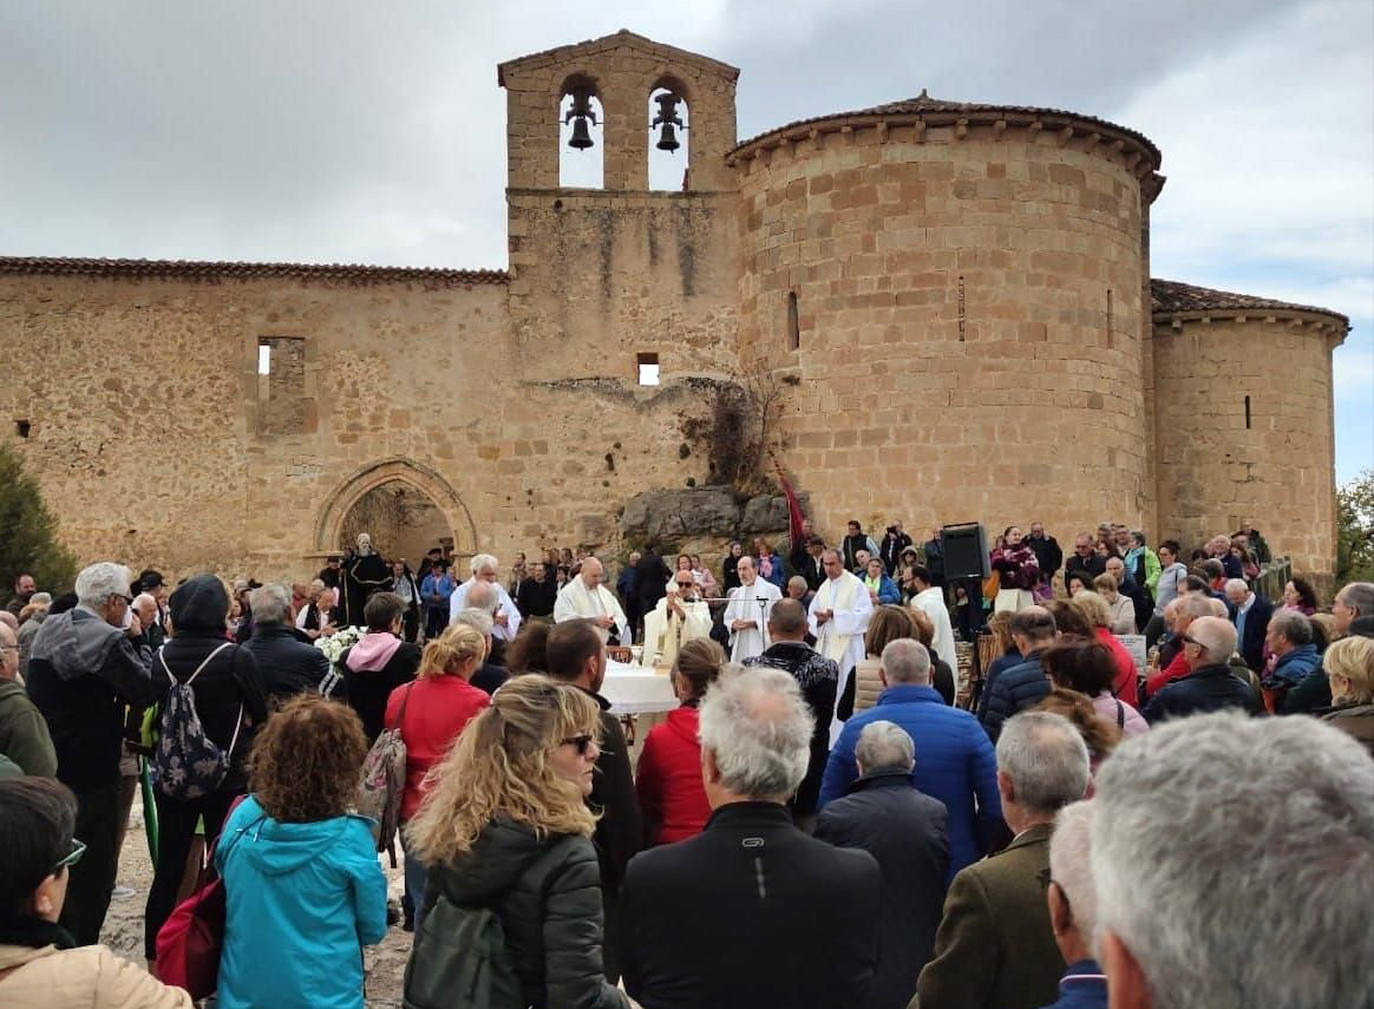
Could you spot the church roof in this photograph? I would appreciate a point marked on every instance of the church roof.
(214, 272)
(939, 111)
(625, 38)
(1170, 297)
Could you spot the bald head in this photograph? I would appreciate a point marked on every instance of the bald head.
(787, 621)
(9, 652)
(9, 620)
(592, 573)
(482, 596)
(1215, 637)
(1237, 591)
(145, 606)
(744, 567)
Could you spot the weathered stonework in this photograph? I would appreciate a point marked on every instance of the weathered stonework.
(967, 286)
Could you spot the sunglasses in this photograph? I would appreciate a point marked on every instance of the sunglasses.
(582, 742)
(71, 857)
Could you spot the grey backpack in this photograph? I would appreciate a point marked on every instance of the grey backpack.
(187, 763)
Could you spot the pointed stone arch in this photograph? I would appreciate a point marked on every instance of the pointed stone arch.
(395, 469)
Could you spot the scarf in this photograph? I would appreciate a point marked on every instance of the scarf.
(34, 933)
(373, 651)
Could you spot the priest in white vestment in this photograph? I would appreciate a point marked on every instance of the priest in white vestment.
(505, 619)
(585, 598)
(746, 616)
(838, 617)
(679, 616)
(930, 600)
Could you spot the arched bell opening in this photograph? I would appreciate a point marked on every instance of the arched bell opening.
(669, 133)
(581, 135)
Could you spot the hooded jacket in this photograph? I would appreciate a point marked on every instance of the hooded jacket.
(303, 898)
(82, 672)
(228, 684)
(668, 781)
(550, 912)
(24, 734)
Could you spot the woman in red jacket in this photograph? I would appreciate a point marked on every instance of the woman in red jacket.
(431, 712)
(669, 780)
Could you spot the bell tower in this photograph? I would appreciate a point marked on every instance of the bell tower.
(605, 276)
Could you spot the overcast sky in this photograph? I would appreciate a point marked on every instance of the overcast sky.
(340, 130)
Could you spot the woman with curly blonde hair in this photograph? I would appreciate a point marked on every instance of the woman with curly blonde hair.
(505, 826)
(300, 871)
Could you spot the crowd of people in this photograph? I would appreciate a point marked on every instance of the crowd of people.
(839, 812)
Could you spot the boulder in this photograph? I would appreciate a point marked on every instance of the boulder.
(765, 513)
(676, 515)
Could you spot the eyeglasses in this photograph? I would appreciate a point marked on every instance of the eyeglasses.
(128, 600)
(582, 742)
(70, 858)
(1189, 640)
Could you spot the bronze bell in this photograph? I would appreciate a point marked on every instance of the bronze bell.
(581, 136)
(578, 115)
(667, 118)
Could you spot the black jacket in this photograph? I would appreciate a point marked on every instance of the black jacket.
(891, 549)
(228, 685)
(550, 912)
(286, 665)
(819, 679)
(620, 831)
(1048, 554)
(536, 599)
(1210, 688)
(489, 677)
(1016, 688)
(1251, 644)
(905, 831)
(1140, 599)
(82, 673)
(651, 580)
(762, 917)
(368, 689)
(1092, 565)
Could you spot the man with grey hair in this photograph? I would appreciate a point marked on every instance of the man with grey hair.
(998, 904)
(1210, 685)
(145, 607)
(287, 665)
(886, 816)
(749, 894)
(1296, 659)
(1179, 616)
(24, 734)
(956, 765)
(1353, 610)
(86, 665)
(492, 672)
(505, 615)
(1251, 617)
(1236, 889)
(1072, 901)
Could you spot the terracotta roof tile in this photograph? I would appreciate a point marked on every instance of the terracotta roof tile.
(924, 105)
(214, 272)
(1169, 297)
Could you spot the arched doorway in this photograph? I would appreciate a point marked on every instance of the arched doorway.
(405, 506)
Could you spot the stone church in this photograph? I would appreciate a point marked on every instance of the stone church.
(930, 310)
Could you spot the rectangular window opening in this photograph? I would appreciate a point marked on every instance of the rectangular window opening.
(1109, 318)
(22, 428)
(264, 357)
(1247, 413)
(963, 325)
(793, 322)
(282, 406)
(648, 368)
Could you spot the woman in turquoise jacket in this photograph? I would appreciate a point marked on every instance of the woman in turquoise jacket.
(305, 892)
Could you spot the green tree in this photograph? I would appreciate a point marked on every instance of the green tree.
(28, 531)
(1355, 530)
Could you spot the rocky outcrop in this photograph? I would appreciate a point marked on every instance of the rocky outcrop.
(675, 516)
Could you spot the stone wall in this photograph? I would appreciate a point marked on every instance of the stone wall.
(969, 308)
(1219, 469)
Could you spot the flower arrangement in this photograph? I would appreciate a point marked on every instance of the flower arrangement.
(335, 645)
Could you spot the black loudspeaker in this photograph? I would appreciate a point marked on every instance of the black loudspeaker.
(966, 551)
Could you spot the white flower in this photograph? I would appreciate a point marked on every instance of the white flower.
(337, 643)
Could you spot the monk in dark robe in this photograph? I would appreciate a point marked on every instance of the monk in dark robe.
(364, 573)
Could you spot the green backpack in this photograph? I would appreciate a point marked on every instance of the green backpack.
(459, 959)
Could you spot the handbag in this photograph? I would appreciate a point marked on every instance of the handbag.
(190, 941)
(992, 585)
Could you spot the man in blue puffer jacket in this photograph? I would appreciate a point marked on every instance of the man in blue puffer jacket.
(1289, 637)
(955, 762)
